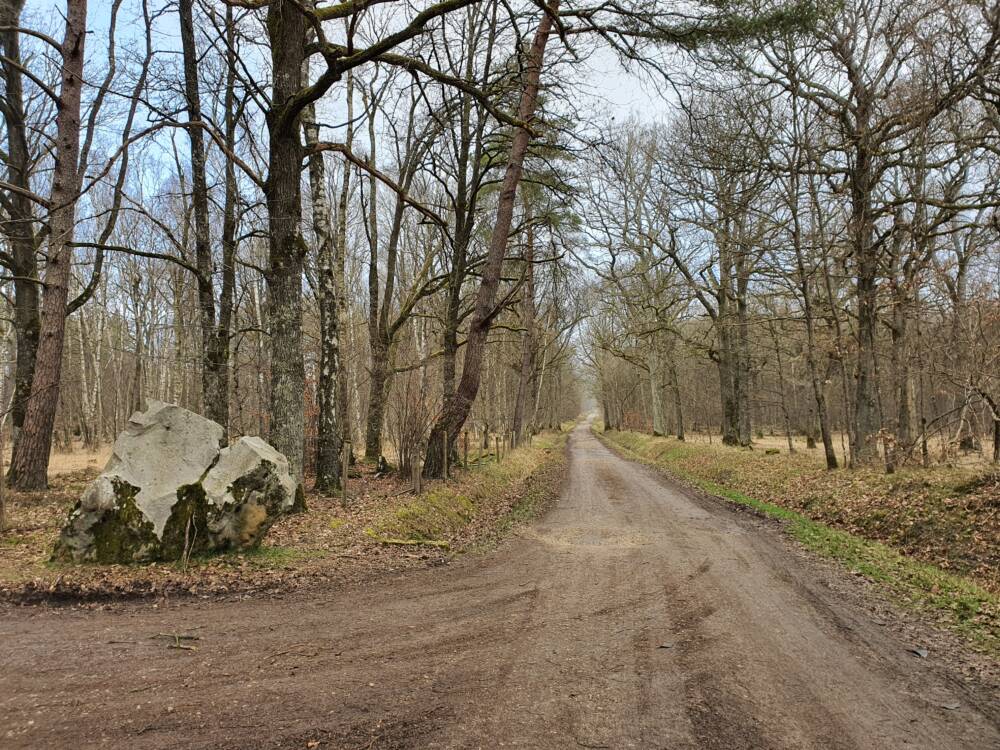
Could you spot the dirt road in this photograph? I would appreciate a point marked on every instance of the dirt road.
(632, 616)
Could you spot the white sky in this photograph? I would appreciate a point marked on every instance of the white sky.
(611, 89)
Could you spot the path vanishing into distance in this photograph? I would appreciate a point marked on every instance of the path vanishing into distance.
(634, 614)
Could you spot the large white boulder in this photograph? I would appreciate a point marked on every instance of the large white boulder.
(170, 490)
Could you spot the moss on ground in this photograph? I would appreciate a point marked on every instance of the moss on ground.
(432, 517)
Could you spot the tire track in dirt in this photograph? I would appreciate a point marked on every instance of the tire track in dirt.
(634, 615)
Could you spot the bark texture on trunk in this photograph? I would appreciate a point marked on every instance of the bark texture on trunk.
(339, 310)
(867, 417)
(29, 464)
(214, 344)
(678, 401)
(330, 435)
(655, 388)
(229, 225)
(456, 409)
(19, 228)
(286, 27)
(526, 371)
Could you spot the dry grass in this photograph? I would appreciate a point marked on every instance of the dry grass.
(944, 515)
(326, 542)
(971, 459)
(928, 536)
(74, 461)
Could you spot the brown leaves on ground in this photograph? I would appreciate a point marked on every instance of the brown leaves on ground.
(326, 543)
(948, 516)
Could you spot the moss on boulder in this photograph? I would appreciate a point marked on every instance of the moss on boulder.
(169, 492)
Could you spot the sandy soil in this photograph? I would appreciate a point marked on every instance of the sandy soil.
(634, 615)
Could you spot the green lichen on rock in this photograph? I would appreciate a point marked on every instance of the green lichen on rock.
(186, 531)
(170, 492)
(258, 498)
(106, 526)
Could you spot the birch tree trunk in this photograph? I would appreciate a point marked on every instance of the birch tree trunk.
(329, 438)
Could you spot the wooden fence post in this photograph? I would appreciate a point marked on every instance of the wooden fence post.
(496, 444)
(465, 448)
(416, 471)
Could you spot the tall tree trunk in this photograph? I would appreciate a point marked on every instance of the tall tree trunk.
(456, 409)
(382, 333)
(655, 386)
(867, 417)
(19, 228)
(378, 392)
(329, 437)
(214, 347)
(286, 28)
(526, 371)
(223, 330)
(804, 276)
(818, 388)
(994, 411)
(782, 391)
(339, 311)
(29, 464)
(900, 360)
(743, 373)
(725, 362)
(678, 401)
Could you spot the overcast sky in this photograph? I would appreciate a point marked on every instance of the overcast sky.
(611, 90)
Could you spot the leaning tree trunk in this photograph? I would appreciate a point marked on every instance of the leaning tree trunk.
(30, 462)
(455, 411)
(287, 32)
(382, 333)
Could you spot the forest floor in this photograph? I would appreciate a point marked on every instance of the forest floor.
(383, 527)
(929, 535)
(636, 613)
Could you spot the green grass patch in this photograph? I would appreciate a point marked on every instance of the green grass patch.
(432, 517)
(953, 601)
(337, 523)
(439, 515)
